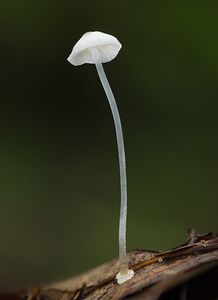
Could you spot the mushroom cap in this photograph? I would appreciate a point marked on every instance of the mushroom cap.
(93, 48)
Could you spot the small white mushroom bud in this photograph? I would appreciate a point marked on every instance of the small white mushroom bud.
(97, 48)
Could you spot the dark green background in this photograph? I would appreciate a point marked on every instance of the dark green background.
(59, 185)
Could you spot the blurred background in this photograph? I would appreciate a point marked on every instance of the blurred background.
(59, 185)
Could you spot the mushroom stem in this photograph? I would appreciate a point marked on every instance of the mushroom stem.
(122, 165)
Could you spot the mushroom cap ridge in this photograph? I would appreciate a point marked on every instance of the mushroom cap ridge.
(93, 48)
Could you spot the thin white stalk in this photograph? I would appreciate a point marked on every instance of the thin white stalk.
(122, 165)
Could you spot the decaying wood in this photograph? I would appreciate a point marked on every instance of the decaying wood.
(186, 272)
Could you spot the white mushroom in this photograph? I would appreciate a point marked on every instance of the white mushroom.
(94, 48)
(97, 48)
